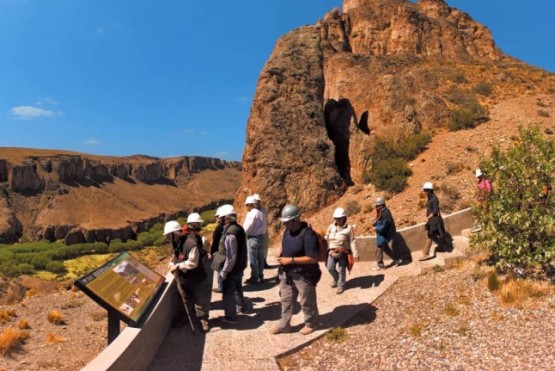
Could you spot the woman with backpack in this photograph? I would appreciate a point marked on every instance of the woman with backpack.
(341, 243)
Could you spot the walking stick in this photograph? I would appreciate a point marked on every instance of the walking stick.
(184, 298)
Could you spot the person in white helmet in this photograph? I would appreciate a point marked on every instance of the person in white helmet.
(341, 242)
(384, 225)
(255, 227)
(434, 225)
(230, 261)
(262, 208)
(186, 264)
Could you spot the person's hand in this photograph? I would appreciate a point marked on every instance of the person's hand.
(209, 256)
(285, 260)
(357, 258)
(223, 275)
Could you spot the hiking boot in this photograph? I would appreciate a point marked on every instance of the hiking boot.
(397, 262)
(252, 280)
(334, 284)
(228, 320)
(204, 325)
(379, 267)
(340, 290)
(306, 330)
(277, 329)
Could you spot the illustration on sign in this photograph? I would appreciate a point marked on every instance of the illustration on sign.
(123, 284)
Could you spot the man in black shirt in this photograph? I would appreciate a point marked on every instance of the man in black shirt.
(299, 271)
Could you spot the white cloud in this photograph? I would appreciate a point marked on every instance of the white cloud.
(188, 131)
(91, 142)
(30, 112)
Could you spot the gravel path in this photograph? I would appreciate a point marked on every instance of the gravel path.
(445, 320)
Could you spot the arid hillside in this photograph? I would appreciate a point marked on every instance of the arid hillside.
(85, 198)
(384, 69)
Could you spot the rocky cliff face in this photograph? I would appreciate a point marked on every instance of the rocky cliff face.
(81, 198)
(372, 68)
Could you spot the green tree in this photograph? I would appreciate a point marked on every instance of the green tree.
(518, 220)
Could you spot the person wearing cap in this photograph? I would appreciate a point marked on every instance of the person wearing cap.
(264, 211)
(186, 265)
(299, 271)
(384, 225)
(483, 188)
(233, 252)
(255, 227)
(434, 224)
(341, 242)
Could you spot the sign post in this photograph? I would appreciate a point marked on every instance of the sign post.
(125, 288)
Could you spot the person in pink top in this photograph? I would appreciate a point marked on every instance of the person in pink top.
(483, 188)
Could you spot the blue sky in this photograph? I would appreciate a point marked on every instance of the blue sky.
(174, 77)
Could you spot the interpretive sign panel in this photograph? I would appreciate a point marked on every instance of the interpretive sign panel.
(123, 285)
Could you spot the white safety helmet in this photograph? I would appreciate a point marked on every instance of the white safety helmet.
(428, 185)
(226, 210)
(250, 200)
(379, 201)
(171, 226)
(479, 173)
(217, 213)
(257, 197)
(194, 218)
(339, 213)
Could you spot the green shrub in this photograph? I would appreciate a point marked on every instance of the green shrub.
(56, 267)
(392, 175)
(468, 116)
(352, 207)
(493, 282)
(458, 96)
(390, 170)
(518, 225)
(208, 216)
(483, 88)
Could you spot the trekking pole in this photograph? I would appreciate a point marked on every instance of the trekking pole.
(182, 294)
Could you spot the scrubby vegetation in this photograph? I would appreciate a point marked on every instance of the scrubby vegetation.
(467, 116)
(518, 222)
(390, 170)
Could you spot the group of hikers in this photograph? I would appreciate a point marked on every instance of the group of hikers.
(234, 246)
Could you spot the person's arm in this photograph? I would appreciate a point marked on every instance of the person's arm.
(192, 260)
(230, 254)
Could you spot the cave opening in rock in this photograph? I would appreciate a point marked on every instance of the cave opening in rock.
(338, 115)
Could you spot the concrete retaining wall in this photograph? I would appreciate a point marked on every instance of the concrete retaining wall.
(135, 348)
(413, 238)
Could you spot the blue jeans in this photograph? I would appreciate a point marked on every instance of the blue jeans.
(232, 294)
(257, 254)
(338, 276)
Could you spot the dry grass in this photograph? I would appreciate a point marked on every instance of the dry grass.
(54, 339)
(23, 324)
(6, 315)
(55, 317)
(98, 314)
(516, 292)
(11, 339)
